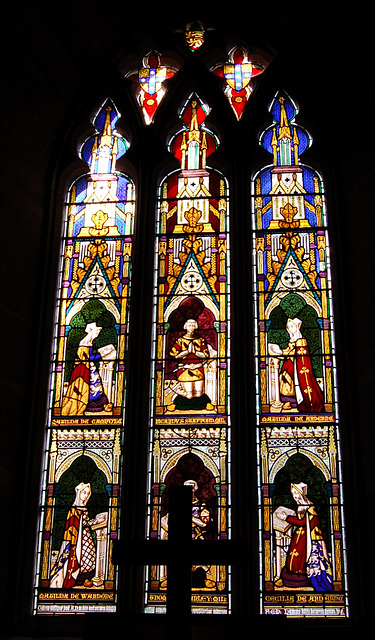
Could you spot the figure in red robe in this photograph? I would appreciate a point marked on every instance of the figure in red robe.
(298, 384)
(307, 562)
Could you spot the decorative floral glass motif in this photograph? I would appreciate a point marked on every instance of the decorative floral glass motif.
(302, 529)
(238, 72)
(79, 513)
(189, 435)
(150, 81)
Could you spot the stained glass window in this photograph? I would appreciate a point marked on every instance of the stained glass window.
(301, 524)
(150, 80)
(238, 72)
(300, 493)
(189, 433)
(194, 34)
(83, 456)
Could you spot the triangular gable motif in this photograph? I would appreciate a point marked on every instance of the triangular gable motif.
(192, 280)
(293, 264)
(100, 291)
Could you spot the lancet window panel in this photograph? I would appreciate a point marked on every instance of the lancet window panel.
(190, 421)
(82, 476)
(300, 491)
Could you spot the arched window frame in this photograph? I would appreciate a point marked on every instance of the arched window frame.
(85, 418)
(190, 405)
(296, 381)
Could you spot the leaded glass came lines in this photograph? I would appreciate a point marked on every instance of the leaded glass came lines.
(190, 421)
(80, 515)
(302, 538)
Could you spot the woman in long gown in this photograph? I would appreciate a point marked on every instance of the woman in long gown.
(85, 391)
(75, 564)
(307, 562)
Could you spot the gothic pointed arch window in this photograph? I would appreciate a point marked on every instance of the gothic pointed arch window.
(83, 459)
(190, 415)
(300, 492)
(190, 421)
